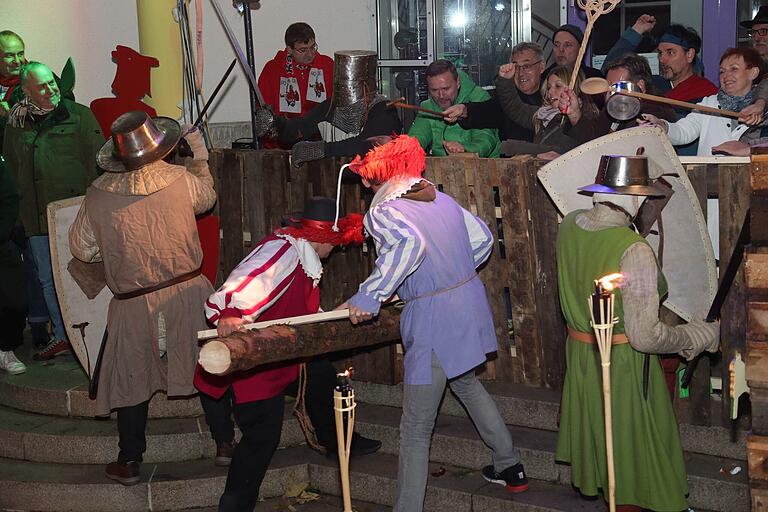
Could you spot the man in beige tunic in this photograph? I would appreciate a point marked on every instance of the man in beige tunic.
(139, 219)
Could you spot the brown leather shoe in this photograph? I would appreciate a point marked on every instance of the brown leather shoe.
(224, 452)
(125, 473)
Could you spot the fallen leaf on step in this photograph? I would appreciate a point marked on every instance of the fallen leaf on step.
(306, 497)
(439, 472)
(295, 489)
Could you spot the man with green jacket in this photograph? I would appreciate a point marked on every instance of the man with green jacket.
(448, 86)
(50, 145)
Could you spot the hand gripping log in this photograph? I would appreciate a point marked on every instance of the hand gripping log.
(243, 350)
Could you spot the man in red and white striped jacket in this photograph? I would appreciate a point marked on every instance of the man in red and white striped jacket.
(278, 279)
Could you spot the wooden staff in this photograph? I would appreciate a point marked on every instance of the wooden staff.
(325, 316)
(681, 104)
(344, 411)
(243, 350)
(594, 9)
(399, 103)
(601, 311)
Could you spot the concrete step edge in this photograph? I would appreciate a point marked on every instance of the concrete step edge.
(526, 406)
(49, 439)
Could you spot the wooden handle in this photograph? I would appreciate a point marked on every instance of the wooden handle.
(325, 316)
(681, 104)
(414, 107)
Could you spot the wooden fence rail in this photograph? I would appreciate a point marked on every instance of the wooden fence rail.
(258, 188)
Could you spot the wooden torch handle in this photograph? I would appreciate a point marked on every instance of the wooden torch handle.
(419, 109)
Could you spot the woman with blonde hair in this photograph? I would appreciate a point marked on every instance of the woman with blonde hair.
(550, 122)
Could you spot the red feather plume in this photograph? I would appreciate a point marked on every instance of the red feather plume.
(403, 156)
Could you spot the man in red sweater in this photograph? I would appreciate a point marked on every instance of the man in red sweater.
(298, 78)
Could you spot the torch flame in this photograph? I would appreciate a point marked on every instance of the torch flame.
(607, 282)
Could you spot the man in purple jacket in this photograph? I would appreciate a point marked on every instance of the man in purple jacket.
(428, 250)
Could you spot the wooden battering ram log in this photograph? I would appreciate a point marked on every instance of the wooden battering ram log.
(244, 350)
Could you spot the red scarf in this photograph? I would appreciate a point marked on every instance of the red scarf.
(11, 83)
(692, 88)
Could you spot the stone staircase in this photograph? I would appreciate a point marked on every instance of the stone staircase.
(52, 454)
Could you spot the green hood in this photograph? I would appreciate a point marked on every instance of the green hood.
(468, 91)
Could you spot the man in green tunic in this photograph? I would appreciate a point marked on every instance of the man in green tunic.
(648, 458)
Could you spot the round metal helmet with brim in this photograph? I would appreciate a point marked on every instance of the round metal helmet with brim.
(138, 140)
(626, 175)
(354, 76)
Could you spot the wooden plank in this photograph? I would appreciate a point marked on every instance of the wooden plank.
(759, 176)
(275, 175)
(757, 320)
(231, 199)
(757, 458)
(253, 190)
(521, 258)
(759, 399)
(756, 267)
(699, 395)
(734, 193)
(552, 329)
(757, 365)
(759, 499)
(493, 273)
(759, 213)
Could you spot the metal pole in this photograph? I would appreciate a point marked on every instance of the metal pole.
(250, 58)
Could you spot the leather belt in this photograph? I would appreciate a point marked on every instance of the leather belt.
(157, 287)
(586, 337)
(443, 290)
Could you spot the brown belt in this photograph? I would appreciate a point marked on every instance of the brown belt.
(586, 337)
(157, 287)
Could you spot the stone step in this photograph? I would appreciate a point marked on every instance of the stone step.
(60, 387)
(373, 479)
(197, 485)
(40, 438)
(169, 486)
(532, 407)
(455, 443)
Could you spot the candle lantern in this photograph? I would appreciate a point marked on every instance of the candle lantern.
(344, 409)
(601, 303)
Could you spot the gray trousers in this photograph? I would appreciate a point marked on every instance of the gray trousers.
(420, 407)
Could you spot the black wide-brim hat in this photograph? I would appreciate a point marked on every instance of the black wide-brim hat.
(138, 140)
(760, 17)
(316, 224)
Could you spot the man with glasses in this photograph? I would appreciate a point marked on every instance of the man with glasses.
(758, 31)
(529, 59)
(567, 41)
(298, 78)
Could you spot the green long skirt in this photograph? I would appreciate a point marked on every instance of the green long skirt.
(648, 458)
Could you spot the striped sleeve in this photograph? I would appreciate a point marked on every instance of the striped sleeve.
(480, 237)
(256, 283)
(400, 251)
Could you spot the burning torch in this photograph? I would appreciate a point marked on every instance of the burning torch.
(344, 408)
(601, 303)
